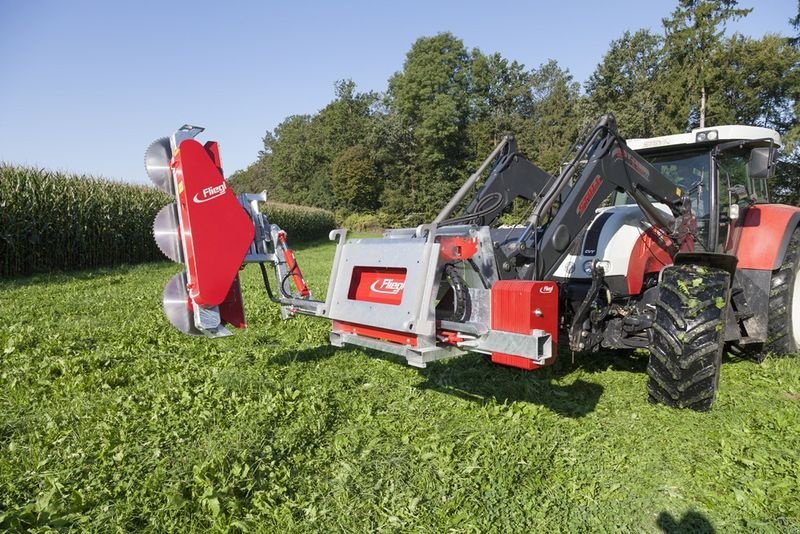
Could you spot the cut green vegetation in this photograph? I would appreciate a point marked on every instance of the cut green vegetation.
(111, 420)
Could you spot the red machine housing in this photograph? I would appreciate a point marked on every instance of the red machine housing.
(215, 230)
(763, 235)
(382, 285)
(521, 306)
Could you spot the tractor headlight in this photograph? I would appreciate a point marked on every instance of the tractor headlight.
(708, 135)
(605, 265)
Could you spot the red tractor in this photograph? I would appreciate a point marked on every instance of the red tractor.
(667, 244)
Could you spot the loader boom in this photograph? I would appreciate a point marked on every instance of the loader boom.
(563, 206)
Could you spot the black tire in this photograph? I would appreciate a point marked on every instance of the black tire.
(688, 334)
(783, 320)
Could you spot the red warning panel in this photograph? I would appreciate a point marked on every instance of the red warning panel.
(520, 306)
(382, 285)
(216, 230)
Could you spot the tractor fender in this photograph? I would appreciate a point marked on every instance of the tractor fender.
(765, 233)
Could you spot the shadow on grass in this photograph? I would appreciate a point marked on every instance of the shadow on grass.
(598, 362)
(472, 377)
(692, 521)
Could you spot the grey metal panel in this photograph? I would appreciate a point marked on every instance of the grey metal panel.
(415, 356)
(417, 256)
(537, 346)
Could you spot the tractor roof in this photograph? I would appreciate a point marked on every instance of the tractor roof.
(708, 135)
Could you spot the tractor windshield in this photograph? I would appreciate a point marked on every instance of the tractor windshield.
(691, 171)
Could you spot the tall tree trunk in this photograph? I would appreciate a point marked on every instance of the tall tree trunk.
(703, 107)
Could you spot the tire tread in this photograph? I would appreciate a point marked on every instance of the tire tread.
(686, 352)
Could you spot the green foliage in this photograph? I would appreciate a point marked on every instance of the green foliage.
(295, 159)
(356, 186)
(694, 35)
(301, 223)
(111, 420)
(626, 83)
(795, 22)
(254, 179)
(406, 151)
(296, 163)
(364, 222)
(431, 99)
(557, 119)
(502, 102)
(53, 221)
(760, 84)
(785, 186)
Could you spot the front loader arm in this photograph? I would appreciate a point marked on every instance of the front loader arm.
(513, 176)
(609, 166)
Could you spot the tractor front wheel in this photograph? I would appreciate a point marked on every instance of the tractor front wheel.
(688, 333)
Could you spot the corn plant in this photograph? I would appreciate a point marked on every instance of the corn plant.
(301, 223)
(51, 221)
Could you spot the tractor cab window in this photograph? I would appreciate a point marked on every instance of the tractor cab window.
(734, 179)
(691, 171)
(737, 190)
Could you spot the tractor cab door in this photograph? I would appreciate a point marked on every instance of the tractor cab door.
(736, 191)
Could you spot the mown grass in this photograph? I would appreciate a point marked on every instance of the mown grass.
(111, 420)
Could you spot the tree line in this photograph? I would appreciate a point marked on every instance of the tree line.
(400, 154)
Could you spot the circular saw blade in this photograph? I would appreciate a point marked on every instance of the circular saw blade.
(167, 232)
(176, 305)
(156, 162)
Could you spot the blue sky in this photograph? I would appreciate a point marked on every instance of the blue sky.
(86, 86)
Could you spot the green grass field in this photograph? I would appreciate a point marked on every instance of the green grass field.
(110, 420)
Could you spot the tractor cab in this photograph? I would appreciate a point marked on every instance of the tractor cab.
(724, 170)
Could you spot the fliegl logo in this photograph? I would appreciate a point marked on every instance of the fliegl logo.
(387, 286)
(210, 193)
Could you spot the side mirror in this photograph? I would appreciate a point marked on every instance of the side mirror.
(761, 162)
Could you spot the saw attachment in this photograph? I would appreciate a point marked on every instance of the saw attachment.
(157, 159)
(176, 305)
(166, 230)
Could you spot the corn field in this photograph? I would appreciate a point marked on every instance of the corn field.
(301, 223)
(51, 221)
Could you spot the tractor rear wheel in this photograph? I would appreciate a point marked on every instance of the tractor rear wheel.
(783, 319)
(688, 334)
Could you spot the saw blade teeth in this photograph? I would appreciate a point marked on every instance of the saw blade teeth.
(157, 158)
(176, 305)
(167, 233)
